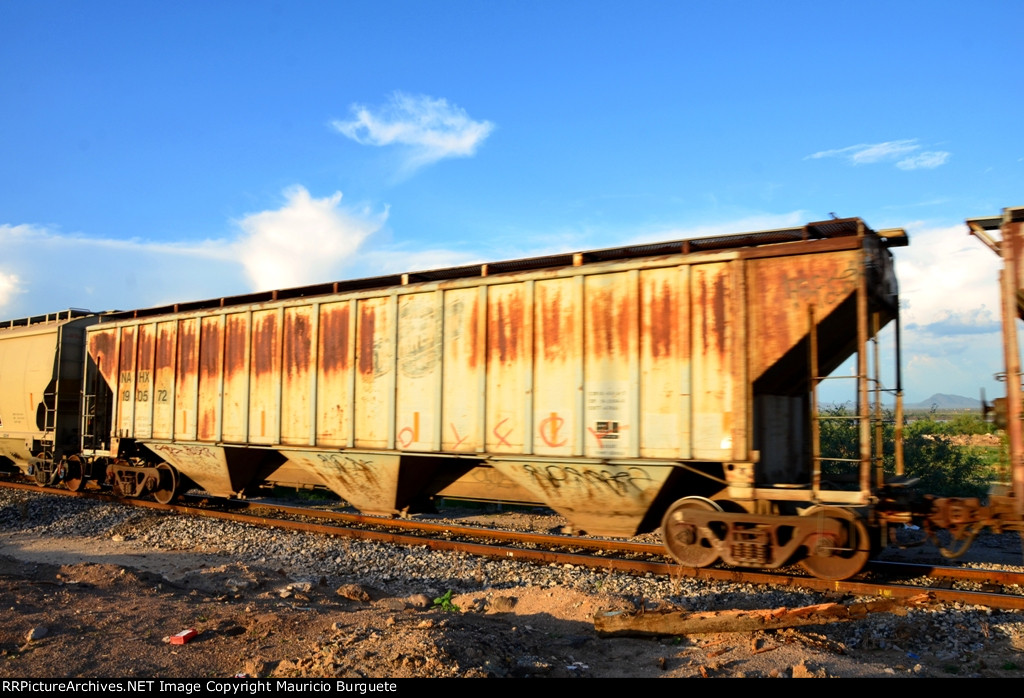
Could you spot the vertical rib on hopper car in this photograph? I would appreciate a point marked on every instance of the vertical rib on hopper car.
(603, 384)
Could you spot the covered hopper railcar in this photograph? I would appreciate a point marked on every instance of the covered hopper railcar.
(606, 385)
(671, 383)
(40, 390)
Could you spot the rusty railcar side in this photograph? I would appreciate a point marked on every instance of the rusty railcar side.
(604, 384)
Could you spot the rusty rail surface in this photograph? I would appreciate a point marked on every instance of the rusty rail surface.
(887, 589)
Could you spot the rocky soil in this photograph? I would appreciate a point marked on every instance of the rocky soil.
(95, 590)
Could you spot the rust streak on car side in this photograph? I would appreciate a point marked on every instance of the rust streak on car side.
(127, 348)
(720, 315)
(601, 334)
(625, 321)
(209, 351)
(145, 360)
(297, 350)
(367, 323)
(234, 345)
(187, 345)
(165, 348)
(264, 344)
(551, 325)
(662, 327)
(506, 327)
(209, 373)
(474, 334)
(334, 339)
(101, 348)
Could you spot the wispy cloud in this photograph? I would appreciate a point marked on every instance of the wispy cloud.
(927, 160)
(752, 223)
(963, 321)
(397, 259)
(430, 129)
(863, 154)
(132, 273)
(305, 241)
(907, 154)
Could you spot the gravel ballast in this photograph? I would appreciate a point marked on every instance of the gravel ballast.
(242, 566)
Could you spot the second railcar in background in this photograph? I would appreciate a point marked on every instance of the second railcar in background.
(612, 386)
(40, 389)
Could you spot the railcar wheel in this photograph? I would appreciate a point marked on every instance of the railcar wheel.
(687, 543)
(74, 474)
(841, 556)
(167, 489)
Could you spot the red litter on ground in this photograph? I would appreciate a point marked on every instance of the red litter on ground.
(183, 637)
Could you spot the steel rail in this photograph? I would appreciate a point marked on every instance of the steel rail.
(639, 567)
(551, 539)
(967, 574)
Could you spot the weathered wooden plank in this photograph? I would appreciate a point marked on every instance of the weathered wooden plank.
(646, 624)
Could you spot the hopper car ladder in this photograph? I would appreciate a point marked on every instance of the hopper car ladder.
(868, 415)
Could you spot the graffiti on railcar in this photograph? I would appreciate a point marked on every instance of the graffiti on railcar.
(197, 460)
(620, 482)
(353, 471)
(550, 430)
(827, 286)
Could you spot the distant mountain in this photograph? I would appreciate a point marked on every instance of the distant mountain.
(942, 401)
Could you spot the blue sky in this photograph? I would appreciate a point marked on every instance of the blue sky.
(154, 153)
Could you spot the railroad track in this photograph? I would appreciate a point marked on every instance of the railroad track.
(994, 588)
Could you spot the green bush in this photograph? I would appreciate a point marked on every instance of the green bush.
(968, 423)
(963, 423)
(942, 467)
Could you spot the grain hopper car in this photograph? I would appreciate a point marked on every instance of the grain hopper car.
(40, 389)
(670, 384)
(611, 385)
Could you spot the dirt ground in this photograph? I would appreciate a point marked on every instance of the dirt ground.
(99, 608)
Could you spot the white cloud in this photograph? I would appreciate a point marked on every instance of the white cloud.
(430, 129)
(950, 296)
(925, 160)
(9, 286)
(57, 271)
(305, 241)
(948, 281)
(973, 321)
(904, 152)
